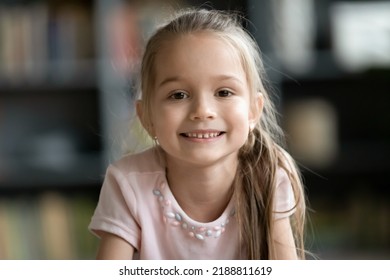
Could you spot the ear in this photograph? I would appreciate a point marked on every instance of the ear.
(141, 116)
(256, 110)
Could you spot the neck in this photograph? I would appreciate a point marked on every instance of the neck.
(202, 192)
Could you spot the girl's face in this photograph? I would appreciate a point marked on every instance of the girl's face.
(201, 101)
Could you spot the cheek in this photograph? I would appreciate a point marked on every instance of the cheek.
(241, 112)
(164, 120)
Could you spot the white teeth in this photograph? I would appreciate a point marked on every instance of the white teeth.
(202, 135)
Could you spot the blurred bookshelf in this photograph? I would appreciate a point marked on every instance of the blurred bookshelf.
(51, 161)
(347, 185)
(334, 99)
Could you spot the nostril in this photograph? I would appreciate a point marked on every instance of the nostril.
(203, 115)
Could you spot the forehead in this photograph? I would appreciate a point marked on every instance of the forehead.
(191, 53)
(193, 43)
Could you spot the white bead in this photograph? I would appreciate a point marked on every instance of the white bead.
(170, 215)
(157, 192)
(199, 236)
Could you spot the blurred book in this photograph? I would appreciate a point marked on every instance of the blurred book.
(46, 226)
(360, 34)
(40, 44)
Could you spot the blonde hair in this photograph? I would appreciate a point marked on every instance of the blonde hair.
(262, 155)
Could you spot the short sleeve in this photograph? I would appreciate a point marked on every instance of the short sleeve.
(284, 204)
(116, 209)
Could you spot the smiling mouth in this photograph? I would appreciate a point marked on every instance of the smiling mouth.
(203, 135)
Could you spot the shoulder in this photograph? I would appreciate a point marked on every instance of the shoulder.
(284, 195)
(129, 182)
(282, 177)
(135, 173)
(284, 189)
(146, 161)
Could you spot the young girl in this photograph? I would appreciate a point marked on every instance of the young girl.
(216, 184)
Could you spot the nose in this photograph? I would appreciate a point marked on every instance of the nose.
(202, 108)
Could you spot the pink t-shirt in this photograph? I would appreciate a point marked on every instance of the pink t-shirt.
(137, 205)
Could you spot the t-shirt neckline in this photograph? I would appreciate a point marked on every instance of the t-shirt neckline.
(174, 215)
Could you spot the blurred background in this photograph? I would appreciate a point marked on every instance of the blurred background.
(66, 93)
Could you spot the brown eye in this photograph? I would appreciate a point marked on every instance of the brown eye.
(224, 93)
(179, 95)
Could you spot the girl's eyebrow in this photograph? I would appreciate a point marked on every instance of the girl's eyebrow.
(229, 77)
(169, 80)
(218, 77)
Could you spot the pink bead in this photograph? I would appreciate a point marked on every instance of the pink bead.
(201, 229)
